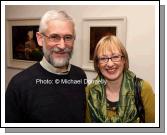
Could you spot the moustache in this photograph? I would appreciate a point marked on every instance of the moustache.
(59, 50)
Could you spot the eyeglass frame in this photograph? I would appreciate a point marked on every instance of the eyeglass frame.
(60, 37)
(106, 59)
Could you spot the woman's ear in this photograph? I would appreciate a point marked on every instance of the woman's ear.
(39, 38)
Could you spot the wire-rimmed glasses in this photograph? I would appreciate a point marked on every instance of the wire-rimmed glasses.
(56, 38)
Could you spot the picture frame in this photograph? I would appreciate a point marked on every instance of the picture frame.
(21, 43)
(94, 29)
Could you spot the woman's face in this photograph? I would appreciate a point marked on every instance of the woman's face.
(113, 69)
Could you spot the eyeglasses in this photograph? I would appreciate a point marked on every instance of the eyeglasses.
(115, 58)
(57, 38)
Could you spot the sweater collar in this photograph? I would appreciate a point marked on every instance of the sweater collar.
(50, 68)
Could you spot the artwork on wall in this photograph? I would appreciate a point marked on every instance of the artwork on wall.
(94, 29)
(22, 47)
(95, 35)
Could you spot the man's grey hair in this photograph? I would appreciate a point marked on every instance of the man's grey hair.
(54, 15)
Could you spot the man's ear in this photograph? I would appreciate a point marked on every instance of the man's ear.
(39, 38)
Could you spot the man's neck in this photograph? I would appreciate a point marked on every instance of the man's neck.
(61, 69)
(50, 68)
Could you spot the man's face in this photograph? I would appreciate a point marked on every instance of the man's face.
(58, 42)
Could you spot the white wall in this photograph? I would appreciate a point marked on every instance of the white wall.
(140, 42)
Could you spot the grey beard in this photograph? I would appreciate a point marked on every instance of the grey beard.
(57, 62)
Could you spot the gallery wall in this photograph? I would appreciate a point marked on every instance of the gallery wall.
(140, 33)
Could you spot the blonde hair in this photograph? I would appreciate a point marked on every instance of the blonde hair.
(110, 42)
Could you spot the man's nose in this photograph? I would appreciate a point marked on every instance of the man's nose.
(61, 44)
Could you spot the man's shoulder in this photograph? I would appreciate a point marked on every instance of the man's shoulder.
(76, 68)
(27, 73)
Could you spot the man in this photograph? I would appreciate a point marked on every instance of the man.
(52, 90)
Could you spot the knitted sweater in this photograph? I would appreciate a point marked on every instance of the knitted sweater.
(36, 96)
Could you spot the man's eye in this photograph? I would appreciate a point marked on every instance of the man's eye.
(54, 36)
(68, 37)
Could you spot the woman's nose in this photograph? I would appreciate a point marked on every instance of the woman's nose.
(110, 62)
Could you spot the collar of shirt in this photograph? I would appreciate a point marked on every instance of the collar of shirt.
(50, 68)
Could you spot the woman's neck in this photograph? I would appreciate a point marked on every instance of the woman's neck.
(113, 89)
(114, 85)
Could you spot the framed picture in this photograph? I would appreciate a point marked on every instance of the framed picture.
(94, 29)
(21, 43)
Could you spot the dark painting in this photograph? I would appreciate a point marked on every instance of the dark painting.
(96, 33)
(24, 43)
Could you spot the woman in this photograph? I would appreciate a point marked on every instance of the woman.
(111, 97)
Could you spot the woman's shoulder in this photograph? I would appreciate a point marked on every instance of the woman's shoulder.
(148, 99)
(146, 90)
(91, 85)
(95, 84)
(146, 86)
